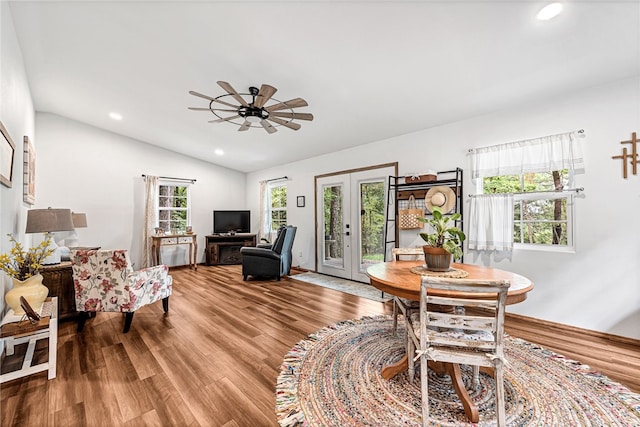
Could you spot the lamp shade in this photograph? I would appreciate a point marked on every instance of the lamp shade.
(49, 220)
(79, 220)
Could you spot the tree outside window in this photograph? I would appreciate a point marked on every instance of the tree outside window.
(372, 220)
(332, 197)
(539, 218)
(173, 208)
(278, 206)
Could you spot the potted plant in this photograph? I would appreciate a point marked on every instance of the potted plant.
(23, 267)
(445, 240)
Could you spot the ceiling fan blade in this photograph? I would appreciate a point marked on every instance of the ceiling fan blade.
(226, 86)
(295, 116)
(211, 109)
(227, 104)
(267, 126)
(292, 103)
(265, 93)
(290, 125)
(194, 93)
(226, 119)
(245, 126)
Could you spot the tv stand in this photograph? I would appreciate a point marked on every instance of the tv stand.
(224, 249)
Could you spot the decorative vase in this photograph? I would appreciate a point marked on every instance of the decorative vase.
(31, 289)
(437, 259)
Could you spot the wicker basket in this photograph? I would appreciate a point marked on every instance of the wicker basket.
(408, 218)
(418, 178)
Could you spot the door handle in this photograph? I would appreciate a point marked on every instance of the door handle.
(346, 233)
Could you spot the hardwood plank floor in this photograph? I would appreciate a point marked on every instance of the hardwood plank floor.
(214, 360)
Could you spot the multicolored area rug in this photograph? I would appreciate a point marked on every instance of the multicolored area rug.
(332, 378)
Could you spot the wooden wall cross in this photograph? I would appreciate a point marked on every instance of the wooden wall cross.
(631, 158)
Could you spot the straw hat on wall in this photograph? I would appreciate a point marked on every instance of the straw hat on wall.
(441, 197)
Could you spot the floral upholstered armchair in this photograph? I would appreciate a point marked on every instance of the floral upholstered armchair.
(105, 281)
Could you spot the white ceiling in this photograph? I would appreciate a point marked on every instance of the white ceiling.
(369, 70)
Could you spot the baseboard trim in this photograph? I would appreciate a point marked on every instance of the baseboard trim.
(563, 329)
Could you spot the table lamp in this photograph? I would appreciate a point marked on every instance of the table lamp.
(79, 220)
(48, 221)
(70, 239)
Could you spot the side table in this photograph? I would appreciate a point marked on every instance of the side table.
(15, 331)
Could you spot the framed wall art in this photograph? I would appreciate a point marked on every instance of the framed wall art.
(300, 201)
(7, 149)
(29, 170)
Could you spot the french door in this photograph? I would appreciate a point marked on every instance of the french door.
(350, 221)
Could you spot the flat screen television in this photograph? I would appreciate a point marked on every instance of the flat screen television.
(231, 221)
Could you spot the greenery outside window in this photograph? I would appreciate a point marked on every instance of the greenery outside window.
(174, 207)
(372, 221)
(277, 204)
(543, 216)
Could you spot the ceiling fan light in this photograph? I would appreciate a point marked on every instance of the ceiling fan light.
(549, 11)
(255, 112)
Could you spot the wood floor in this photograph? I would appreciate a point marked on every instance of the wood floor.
(214, 360)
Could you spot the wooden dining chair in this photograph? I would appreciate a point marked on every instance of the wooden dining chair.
(459, 331)
(404, 305)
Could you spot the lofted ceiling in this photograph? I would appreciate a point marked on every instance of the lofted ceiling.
(370, 70)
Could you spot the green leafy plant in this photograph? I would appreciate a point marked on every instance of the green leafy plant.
(445, 234)
(21, 264)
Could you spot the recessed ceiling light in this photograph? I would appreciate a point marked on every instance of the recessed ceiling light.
(549, 11)
(115, 116)
(219, 152)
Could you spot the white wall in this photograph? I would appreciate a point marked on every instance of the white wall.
(17, 115)
(90, 170)
(598, 287)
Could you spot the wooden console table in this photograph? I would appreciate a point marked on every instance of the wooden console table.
(59, 279)
(225, 249)
(175, 239)
(15, 331)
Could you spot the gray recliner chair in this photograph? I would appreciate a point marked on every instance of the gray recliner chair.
(274, 261)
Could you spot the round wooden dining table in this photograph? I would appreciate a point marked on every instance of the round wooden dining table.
(397, 278)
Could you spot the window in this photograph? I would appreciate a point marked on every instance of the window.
(524, 205)
(174, 207)
(277, 205)
(542, 217)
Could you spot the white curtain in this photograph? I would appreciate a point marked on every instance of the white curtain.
(549, 153)
(491, 225)
(150, 220)
(264, 212)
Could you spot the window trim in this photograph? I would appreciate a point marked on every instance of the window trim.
(271, 186)
(172, 183)
(545, 195)
(548, 247)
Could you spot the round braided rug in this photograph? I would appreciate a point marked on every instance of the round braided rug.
(332, 378)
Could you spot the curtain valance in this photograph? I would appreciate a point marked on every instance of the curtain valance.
(548, 153)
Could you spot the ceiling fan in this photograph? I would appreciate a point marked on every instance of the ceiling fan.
(253, 110)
